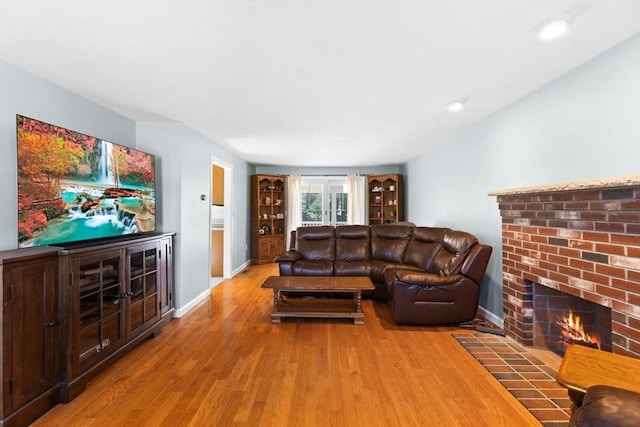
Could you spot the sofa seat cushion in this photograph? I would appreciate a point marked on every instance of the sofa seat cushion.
(305, 267)
(605, 406)
(352, 268)
(380, 268)
(382, 272)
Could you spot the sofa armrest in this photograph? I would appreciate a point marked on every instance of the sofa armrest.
(607, 406)
(427, 279)
(289, 256)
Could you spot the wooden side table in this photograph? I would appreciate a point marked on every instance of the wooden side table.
(583, 367)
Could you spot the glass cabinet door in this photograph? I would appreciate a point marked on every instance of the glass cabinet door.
(144, 297)
(100, 304)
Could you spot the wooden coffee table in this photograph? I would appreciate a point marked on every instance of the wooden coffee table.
(318, 307)
(583, 367)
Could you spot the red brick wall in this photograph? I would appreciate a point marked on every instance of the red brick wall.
(585, 242)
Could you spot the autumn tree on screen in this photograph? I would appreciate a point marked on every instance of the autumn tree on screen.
(44, 159)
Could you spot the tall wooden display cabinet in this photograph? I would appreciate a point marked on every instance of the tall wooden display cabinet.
(386, 198)
(268, 217)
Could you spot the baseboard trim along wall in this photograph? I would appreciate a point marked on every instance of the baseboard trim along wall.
(490, 317)
(187, 307)
(241, 268)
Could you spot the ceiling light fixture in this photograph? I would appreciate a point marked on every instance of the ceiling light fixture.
(553, 29)
(456, 105)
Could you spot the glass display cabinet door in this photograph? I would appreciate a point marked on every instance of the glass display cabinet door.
(143, 281)
(100, 306)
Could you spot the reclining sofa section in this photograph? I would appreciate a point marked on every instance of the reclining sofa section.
(428, 275)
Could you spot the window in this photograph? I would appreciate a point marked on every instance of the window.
(324, 201)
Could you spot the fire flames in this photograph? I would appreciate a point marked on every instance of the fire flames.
(573, 331)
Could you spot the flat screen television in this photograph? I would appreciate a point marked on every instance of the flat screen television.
(74, 187)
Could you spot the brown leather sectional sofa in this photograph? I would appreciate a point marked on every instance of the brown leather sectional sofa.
(428, 275)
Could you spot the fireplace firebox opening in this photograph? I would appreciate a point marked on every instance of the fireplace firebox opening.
(560, 319)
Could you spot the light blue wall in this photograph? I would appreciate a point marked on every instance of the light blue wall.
(584, 125)
(184, 171)
(186, 175)
(25, 94)
(288, 170)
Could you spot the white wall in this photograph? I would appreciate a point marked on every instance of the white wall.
(584, 125)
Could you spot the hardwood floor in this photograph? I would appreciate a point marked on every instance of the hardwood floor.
(224, 364)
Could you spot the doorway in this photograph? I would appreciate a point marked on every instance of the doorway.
(324, 201)
(220, 221)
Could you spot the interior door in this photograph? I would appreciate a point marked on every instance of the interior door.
(220, 227)
(217, 220)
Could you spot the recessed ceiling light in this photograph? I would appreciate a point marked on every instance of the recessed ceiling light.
(553, 29)
(456, 105)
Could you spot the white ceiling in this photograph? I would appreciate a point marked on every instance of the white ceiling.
(307, 83)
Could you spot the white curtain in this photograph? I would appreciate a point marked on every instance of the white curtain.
(294, 207)
(356, 213)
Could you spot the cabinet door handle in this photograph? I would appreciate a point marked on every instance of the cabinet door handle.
(50, 324)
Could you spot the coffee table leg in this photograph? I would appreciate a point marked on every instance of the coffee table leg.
(358, 319)
(277, 299)
(357, 298)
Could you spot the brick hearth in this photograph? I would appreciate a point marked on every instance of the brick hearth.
(581, 238)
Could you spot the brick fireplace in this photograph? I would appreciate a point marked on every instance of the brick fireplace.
(579, 238)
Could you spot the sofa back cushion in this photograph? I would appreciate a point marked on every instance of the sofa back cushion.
(389, 242)
(353, 243)
(455, 247)
(316, 243)
(424, 246)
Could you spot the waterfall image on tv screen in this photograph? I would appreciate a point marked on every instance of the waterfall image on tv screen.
(74, 187)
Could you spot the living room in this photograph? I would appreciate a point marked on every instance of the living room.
(582, 125)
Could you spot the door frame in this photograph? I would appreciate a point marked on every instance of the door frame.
(328, 214)
(228, 191)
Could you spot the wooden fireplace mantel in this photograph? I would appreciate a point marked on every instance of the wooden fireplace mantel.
(614, 182)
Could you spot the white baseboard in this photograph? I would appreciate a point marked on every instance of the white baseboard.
(241, 268)
(498, 321)
(215, 281)
(187, 307)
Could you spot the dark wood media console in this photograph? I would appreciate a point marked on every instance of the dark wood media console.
(69, 312)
